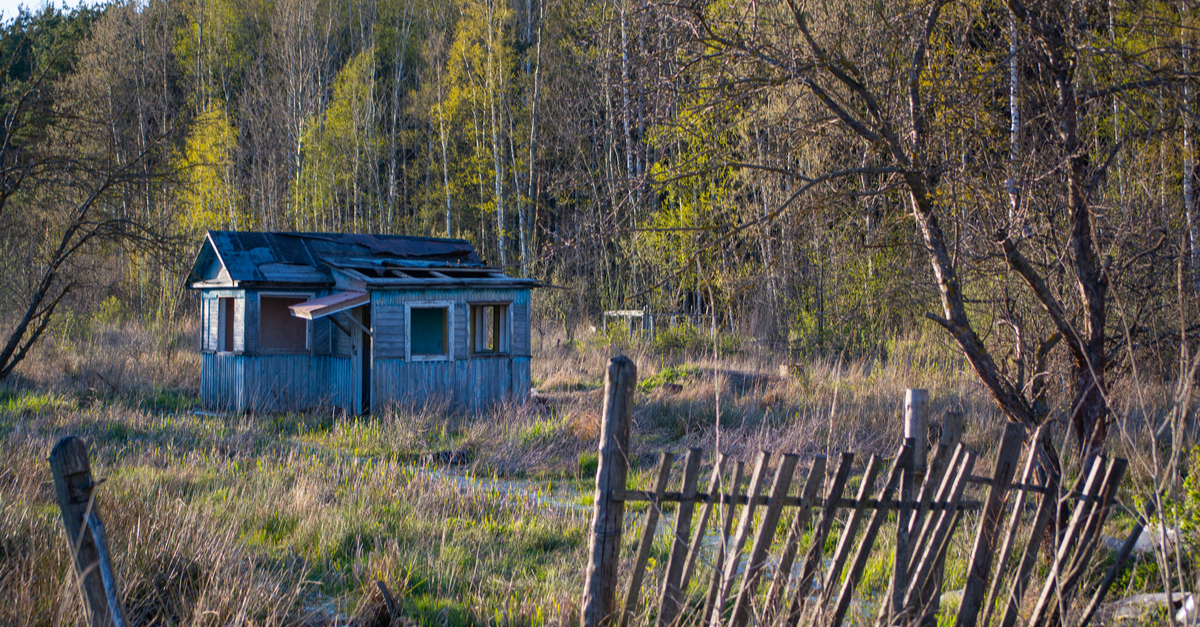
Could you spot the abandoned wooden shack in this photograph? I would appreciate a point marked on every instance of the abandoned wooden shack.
(297, 321)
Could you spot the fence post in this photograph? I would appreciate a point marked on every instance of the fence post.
(599, 605)
(916, 424)
(85, 533)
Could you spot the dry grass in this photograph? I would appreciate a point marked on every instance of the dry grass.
(290, 519)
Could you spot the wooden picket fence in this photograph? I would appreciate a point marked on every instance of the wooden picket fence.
(922, 506)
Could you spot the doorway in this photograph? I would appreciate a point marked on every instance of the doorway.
(362, 358)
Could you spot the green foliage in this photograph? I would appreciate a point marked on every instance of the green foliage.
(338, 150)
(1185, 510)
(670, 374)
(26, 403)
(681, 338)
(112, 311)
(210, 197)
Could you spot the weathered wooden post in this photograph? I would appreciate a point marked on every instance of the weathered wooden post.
(916, 424)
(599, 605)
(85, 533)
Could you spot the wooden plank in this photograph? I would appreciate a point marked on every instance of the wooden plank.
(695, 545)
(1014, 522)
(1116, 567)
(942, 495)
(1050, 587)
(85, 533)
(940, 528)
(714, 587)
(791, 546)
(916, 424)
(521, 322)
(598, 603)
(1047, 508)
(784, 473)
(251, 332)
(672, 593)
(812, 559)
(734, 554)
(989, 523)
(665, 461)
(1086, 543)
(900, 556)
(842, 552)
(929, 485)
(951, 437)
(868, 541)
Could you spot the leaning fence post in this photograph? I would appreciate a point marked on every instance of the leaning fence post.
(85, 533)
(916, 424)
(599, 605)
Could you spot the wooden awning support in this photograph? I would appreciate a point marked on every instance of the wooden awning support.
(333, 304)
(328, 305)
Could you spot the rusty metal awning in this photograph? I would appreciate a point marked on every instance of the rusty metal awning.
(326, 305)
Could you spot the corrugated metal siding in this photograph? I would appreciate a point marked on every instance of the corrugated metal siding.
(471, 383)
(273, 383)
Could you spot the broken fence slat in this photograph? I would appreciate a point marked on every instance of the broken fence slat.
(939, 529)
(757, 558)
(900, 557)
(701, 525)
(1087, 539)
(846, 541)
(734, 556)
(1115, 569)
(1046, 598)
(714, 586)
(665, 461)
(868, 541)
(672, 594)
(791, 546)
(1047, 508)
(1014, 523)
(989, 523)
(812, 559)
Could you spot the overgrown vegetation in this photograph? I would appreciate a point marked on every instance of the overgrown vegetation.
(269, 519)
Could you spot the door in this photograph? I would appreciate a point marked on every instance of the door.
(360, 360)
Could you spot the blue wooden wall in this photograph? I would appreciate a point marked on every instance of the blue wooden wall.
(245, 380)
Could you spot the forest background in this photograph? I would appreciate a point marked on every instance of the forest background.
(779, 166)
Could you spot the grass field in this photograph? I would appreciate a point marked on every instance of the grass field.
(291, 519)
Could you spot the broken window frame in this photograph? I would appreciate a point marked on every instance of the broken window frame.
(308, 335)
(447, 330)
(501, 315)
(226, 323)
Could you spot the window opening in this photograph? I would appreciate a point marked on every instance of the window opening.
(225, 333)
(427, 331)
(278, 329)
(489, 329)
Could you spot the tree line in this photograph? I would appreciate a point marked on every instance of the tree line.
(1018, 176)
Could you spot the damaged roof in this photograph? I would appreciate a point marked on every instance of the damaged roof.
(249, 259)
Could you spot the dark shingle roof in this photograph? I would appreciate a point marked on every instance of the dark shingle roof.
(305, 258)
